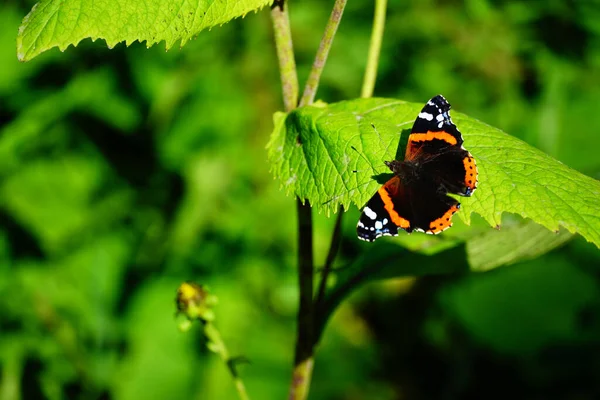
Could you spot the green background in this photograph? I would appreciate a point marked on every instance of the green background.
(125, 172)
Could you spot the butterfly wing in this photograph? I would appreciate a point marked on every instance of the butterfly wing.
(436, 144)
(436, 163)
(418, 206)
(433, 131)
(454, 171)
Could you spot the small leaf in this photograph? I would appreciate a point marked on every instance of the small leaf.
(312, 153)
(62, 23)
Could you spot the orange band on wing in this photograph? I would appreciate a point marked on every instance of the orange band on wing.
(471, 169)
(444, 222)
(441, 135)
(389, 206)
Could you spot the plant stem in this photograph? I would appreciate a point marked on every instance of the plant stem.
(304, 343)
(310, 90)
(374, 49)
(218, 346)
(285, 54)
(303, 361)
(367, 91)
(301, 379)
(333, 248)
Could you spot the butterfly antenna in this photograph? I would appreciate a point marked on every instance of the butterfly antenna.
(364, 158)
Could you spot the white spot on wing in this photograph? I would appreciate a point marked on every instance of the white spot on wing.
(378, 225)
(426, 116)
(370, 213)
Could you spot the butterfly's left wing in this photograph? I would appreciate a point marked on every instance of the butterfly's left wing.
(415, 205)
(437, 144)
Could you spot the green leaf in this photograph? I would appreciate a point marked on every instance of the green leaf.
(312, 154)
(513, 243)
(61, 23)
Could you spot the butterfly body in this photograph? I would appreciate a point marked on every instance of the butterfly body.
(416, 197)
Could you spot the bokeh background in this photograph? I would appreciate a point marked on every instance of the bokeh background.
(124, 172)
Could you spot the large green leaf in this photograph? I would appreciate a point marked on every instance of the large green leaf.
(315, 151)
(64, 22)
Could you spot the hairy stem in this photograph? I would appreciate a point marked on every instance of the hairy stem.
(285, 54)
(303, 361)
(310, 90)
(374, 49)
(367, 91)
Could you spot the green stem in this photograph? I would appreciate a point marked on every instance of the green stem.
(374, 49)
(310, 90)
(367, 91)
(303, 360)
(218, 346)
(285, 54)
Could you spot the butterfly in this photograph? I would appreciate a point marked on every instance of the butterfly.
(435, 164)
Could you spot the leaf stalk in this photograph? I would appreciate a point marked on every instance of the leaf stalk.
(367, 91)
(310, 90)
(285, 54)
(374, 49)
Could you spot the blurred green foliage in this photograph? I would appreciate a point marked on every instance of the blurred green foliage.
(125, 172)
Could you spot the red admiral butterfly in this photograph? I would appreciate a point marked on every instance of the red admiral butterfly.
(435, 164)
